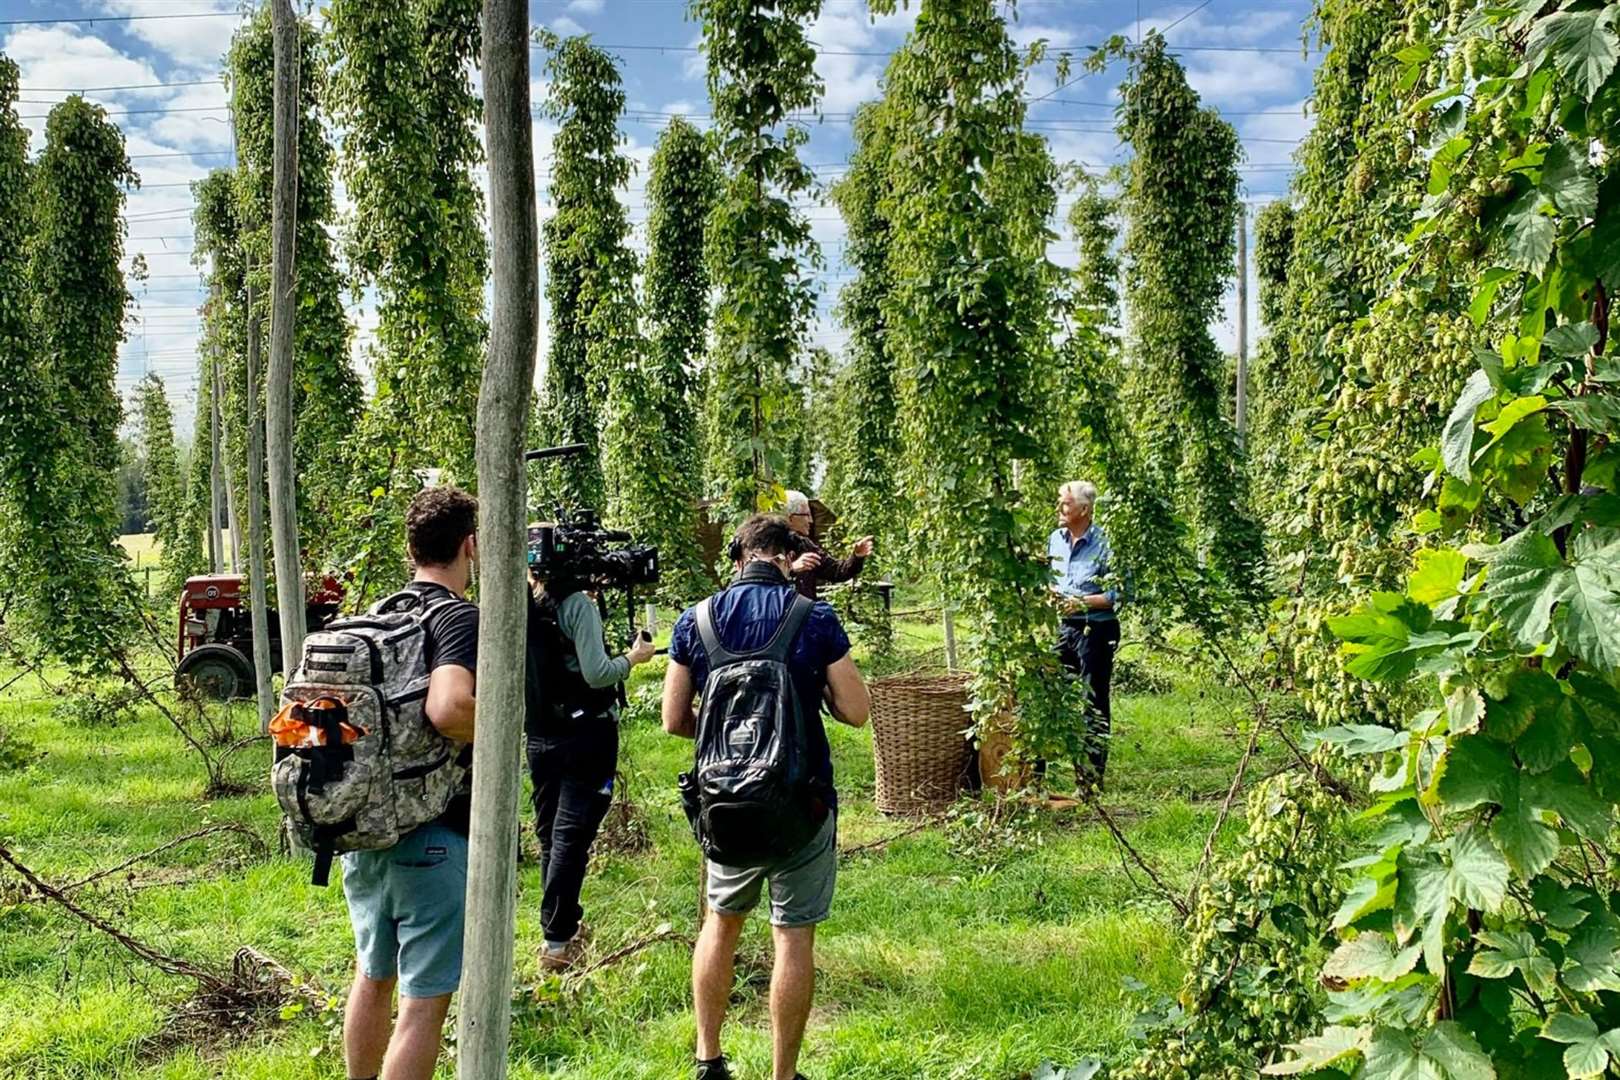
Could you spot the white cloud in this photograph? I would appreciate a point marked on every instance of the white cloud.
(193, 129)
(1289, 121)
(852, 79)
(586, 7)
(1056, 37)
(195, 44)
(1237, 80)
(566, 27)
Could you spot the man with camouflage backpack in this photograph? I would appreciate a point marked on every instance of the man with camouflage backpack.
(408, 902)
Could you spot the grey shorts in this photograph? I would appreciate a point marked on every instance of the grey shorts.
(801, 884)
(408, 906)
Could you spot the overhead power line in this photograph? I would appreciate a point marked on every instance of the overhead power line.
(142, 112)
(92, 19)
(110, 89)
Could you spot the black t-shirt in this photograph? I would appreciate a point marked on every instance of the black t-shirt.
(453, 639)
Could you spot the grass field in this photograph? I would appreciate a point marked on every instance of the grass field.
(964, 950)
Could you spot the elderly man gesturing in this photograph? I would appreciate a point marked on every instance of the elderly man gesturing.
(1080, 558)
(812, 565)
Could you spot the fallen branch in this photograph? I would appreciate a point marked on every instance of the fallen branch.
(1260, 714)
(1175, 901)
(211, 982)
(886, 840)
(256, 843)
(664, 933)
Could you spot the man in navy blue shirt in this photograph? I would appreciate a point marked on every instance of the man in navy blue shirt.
(1080, 555)
(746, 615)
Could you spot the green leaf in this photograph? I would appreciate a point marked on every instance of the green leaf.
(1370, 956)
(1567, 180)
(1359, 739)
(1508, 419)
(1589, 619)
(1510, 952)
(1445, 1051)
(1567, 792)
(1551, 734)
(1582, 45)
(1588, 1053)
(1436, 575)
(1479, 874)
(1571, 339)
(1476, 772)
(1465, 708)
(1490, 282)
(1525, 235)
(1457, 439)
(1528, 842)
(1525, 581)
(1594, 412)
(1518, 462)
(1386, 639)
(1334, 1044)
(1422, 897)
(1373, 891)
(1591, 958)
(1563, 1027)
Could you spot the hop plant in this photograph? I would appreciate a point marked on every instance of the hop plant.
(1253, 950)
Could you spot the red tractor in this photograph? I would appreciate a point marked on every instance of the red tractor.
(214, 645)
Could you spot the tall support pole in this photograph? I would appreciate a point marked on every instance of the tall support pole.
(503, 412)
(1241, 407)
(226, 471)
(283, 303)
(216, 490)
(255, 544)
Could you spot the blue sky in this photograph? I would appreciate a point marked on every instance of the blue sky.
(1243, 56)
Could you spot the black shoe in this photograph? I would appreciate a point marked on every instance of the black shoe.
(713, 1069)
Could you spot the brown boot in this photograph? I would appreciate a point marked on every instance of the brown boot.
(558, 959)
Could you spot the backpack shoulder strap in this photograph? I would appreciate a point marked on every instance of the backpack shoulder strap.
(781, 644)
(719, 655)
(410, 601)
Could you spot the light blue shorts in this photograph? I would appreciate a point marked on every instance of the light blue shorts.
(408, 904)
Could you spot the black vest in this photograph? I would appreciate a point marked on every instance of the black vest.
(556, 698)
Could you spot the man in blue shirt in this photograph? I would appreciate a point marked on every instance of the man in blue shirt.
(746, 615)
(1080, 556)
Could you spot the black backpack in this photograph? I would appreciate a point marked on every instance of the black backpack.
(750, 797)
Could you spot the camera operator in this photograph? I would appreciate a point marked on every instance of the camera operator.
(571, 726)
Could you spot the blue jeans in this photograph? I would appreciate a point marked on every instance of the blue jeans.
(408, 905)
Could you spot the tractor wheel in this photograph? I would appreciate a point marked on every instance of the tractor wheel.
(216, 671)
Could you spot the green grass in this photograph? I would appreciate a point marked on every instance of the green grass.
(948, 955)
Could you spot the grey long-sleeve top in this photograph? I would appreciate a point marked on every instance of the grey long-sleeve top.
(582, 623)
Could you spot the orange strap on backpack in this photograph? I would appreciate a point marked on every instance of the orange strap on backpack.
(311, 723)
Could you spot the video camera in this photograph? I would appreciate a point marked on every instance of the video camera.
(577, 548)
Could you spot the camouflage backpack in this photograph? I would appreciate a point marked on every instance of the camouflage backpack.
(365, 766)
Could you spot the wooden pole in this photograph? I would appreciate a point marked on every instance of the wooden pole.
(503, 412)
(231, 517)
(216, 540)
(949, 617)
(1241, 407)
(283, 303)
(258, 595)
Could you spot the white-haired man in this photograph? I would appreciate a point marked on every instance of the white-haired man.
(813, 566)
(1080, 557)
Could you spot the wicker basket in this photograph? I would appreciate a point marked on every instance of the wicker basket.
(923, 760)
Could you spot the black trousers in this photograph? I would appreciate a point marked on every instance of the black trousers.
(573, 787)
(1087, 649)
